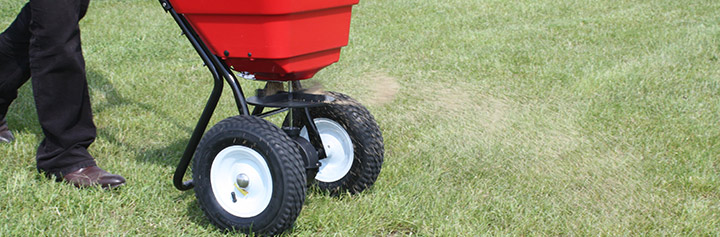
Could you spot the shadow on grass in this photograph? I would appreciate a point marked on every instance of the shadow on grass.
(22, 115)
(167, 156)
(22, 118)
(197, 217)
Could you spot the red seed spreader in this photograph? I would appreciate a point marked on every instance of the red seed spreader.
(249, 174)
(275, 40)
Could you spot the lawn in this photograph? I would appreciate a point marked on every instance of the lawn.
(528, 117)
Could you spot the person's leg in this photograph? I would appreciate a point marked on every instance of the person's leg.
(44, 41)
(14, 66)
(59, 85)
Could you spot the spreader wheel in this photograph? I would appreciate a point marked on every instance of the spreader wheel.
(352, 142)
(249, 176)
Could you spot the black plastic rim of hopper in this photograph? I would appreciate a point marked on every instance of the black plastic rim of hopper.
(290, 100)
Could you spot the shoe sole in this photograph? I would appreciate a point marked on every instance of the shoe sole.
(113, 186)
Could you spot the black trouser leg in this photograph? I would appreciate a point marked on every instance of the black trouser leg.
(60, 88)
(14, 61)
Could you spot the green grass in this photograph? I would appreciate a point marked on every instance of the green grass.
(530, 117)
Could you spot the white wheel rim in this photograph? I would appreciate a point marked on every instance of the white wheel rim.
(338, 148)
(231, 163)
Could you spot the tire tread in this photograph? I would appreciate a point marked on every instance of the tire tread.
(367, 143)
(290, 160)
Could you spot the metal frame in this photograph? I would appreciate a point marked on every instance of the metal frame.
(220, 70)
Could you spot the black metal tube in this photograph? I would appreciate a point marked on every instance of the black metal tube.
(272, 112)
(313, 132)
(258, 110)
(209, 107)
(212, 61)
(234, 85)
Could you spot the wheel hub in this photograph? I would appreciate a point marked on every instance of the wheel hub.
(230, 175)
(338, 148)
(242, 180)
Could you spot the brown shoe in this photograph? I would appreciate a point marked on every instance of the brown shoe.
(94, 176)
(5, 135)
